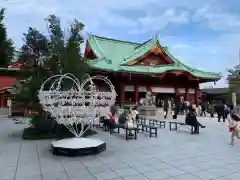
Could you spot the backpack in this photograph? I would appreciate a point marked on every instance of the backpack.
(189, 117)
(113, 118)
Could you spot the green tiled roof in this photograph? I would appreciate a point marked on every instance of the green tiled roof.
(112, 55)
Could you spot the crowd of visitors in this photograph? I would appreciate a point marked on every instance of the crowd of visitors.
(129, 116)
(126, 119)
(203, 109)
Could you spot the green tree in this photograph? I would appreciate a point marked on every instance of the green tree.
(6, 45)
(46, 55)
(234, 82)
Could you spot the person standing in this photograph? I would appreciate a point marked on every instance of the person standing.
(220, 111)
(199, 110)
(176, 109)
(165, 108)
(187, 106)
(203, 112)
(226, 110)
(211, 110)
(234, 124)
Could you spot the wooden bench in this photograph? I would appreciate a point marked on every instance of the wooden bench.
(143, 121)
(127, 131)
(175, 128)
(159, 123)
(152, 130)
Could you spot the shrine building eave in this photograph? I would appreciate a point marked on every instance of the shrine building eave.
(9, 69)
(123, 56)
(161, 72)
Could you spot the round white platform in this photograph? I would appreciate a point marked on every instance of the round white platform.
(78, 146)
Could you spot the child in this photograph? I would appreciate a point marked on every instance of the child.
(234, 125)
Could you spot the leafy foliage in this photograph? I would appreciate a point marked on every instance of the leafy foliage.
(44, 56)
(6, 45)
(234, 82)
(40, 129)
(235, 71)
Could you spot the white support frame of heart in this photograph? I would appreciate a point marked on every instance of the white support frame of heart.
(77, 105)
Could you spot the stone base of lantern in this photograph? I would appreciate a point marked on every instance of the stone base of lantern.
(78, 147)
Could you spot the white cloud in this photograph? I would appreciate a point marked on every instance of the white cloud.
(217, 19)
(211, 54)
(215, 55)
(154, 23)
(180, 46)
(94, 13)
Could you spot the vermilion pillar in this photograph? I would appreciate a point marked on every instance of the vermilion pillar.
(2, 101)
(197, 95)
(176, 94)
(136, 94)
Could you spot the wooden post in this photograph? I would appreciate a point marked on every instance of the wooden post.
(136, 94)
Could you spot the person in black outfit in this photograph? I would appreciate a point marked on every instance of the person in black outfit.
(203, 112)
(220, 109)
(165, 107)
(211, 110)
(191, 119)
(176, 108)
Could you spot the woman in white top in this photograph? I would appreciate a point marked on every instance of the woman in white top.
(132, 117)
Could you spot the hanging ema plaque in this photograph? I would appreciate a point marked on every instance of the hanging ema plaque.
(9, 97)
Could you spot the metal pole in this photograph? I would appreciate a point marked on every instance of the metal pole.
(239, 56)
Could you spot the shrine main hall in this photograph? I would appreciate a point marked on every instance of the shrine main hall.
(133, 68)
(136, 68)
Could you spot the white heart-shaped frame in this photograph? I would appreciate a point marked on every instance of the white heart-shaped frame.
(77, 104)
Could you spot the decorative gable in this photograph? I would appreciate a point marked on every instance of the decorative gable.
(154, 57)
(152, 60)
(89, 54)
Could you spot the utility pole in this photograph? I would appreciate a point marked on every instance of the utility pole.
(239, 56)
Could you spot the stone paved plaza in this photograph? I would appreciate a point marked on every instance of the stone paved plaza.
(171, 156)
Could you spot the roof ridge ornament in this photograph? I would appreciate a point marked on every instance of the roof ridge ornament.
(156, 37)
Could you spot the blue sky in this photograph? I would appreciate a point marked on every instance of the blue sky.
(204, 34)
